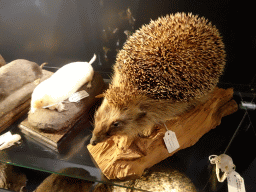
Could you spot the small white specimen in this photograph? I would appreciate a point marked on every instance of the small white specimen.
(61, 85)
(224, 163)
(7, 140)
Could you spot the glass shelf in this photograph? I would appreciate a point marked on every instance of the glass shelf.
(33, 155)
(192, 161)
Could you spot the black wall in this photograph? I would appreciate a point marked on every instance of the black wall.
(62, 31)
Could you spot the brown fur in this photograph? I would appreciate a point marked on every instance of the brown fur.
(136, 119)
(164, 69)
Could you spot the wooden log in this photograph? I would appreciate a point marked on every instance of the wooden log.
(17, 104)
(12, 116)
(146, 152)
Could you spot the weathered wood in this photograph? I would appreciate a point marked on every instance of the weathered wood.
(17, 103)
(146, 152)
(12, 116)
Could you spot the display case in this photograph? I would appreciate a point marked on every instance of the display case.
(60, 32)
(192, 164)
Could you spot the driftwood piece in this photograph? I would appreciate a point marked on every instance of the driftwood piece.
(146, 152)
(17, 103)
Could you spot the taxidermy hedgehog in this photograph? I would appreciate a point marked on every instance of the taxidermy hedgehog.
(164, 69)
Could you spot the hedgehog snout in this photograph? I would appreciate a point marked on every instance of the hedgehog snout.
(94, 140)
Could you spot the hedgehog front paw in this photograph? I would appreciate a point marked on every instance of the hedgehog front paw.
(146, 132)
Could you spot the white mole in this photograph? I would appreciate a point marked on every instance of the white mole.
(61, 85)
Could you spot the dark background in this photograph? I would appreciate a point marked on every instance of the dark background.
(62, 31)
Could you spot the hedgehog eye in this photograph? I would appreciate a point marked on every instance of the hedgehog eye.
(115, 124)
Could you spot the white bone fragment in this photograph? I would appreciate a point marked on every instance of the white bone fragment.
(7, 140)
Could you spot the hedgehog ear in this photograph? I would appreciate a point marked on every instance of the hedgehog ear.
(143, 109)
(143, 106)
(141, 115)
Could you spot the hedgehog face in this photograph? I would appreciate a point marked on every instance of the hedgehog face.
(106, 122)
(111, 120)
